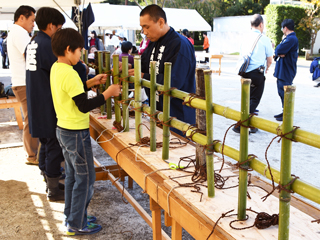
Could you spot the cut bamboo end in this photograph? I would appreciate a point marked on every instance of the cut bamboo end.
(207, 72)
(289, 88)
(168, 63)
(137, 57)
(245, 80)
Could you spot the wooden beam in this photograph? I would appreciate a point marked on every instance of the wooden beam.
(156, 219)
(176, 233)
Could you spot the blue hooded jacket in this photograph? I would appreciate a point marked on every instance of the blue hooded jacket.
(315, 68)
(286, 67)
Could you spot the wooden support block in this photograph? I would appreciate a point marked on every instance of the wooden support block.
(167, 220)
(156, 219)
(176, 231)
(12, 102)
(130, 182)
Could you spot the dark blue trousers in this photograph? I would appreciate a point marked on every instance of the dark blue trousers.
(50, 157)
(280, 85)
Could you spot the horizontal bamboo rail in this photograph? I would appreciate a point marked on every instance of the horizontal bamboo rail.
(300, 135)
(299, 186)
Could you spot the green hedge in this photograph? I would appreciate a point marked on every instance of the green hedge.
(276, 14)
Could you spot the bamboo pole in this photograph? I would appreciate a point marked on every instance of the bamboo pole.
(101, 86)
(153, 139)
(300, 135)
(137, 96)
(200, 115)
(209, 126)
(243, 156)
(117, 109)
(285, 170)
(108, 83)
(125, 90)
(166, 110)
(85, 54)
(299, 186)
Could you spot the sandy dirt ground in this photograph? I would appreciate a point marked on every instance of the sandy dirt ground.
(26, 214)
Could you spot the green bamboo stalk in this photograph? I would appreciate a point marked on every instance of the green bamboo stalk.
(244, 139)
(85, 54)
(285, 170)
(137, 96)
(209, 123)
(108, 68)
(153, 139)
(117, 109)
(101, 87)
(125, 91)
(166, 110)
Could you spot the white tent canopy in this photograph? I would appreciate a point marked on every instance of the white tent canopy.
(109, 16)
(65, 4)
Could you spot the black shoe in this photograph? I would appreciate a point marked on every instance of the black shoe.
(253, 130)
(279, 119)
(236, 129)
(318, 85)
(278, 116)
(256, 110)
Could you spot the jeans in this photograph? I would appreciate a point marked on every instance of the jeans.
(80, 175)
(50, 157)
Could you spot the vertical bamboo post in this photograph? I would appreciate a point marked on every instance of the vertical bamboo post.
(243, 155)
(125, 90)
(153, 89)
(166, 110)
(108, 71)
(285, 171)
(85, 53)
(101, 87)
(117, 109)
(137, 96)
(200, 116)
(209, 123)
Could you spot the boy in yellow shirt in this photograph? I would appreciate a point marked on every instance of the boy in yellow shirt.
(72, 108)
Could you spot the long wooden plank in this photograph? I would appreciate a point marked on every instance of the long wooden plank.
(139, 164)
(183, 214)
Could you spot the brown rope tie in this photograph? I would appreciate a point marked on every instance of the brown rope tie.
(118, 126)
(243, 165)
(237, 124)
(191, 96)
(280, 136)
(316, 221)
(282, 188)
(223, 215)
(124, 79)
(167, 93)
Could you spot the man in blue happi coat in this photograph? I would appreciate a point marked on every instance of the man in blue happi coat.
(286, 56)
(166, 45)
(42, 116)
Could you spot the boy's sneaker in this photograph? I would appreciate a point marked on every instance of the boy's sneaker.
(91, 228)
(90, 219)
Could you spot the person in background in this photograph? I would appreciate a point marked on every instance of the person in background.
(206, 45)
(126, 48)
(4, 49)
(260, 62)
(42, 117)
(18, 39)
(185, 33)
(92, 50)
(72, 107)
(114, 40)
(95, 41)
(286, 56)
(144, 43)
(315, 70)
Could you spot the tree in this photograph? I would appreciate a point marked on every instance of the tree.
(311, 22)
